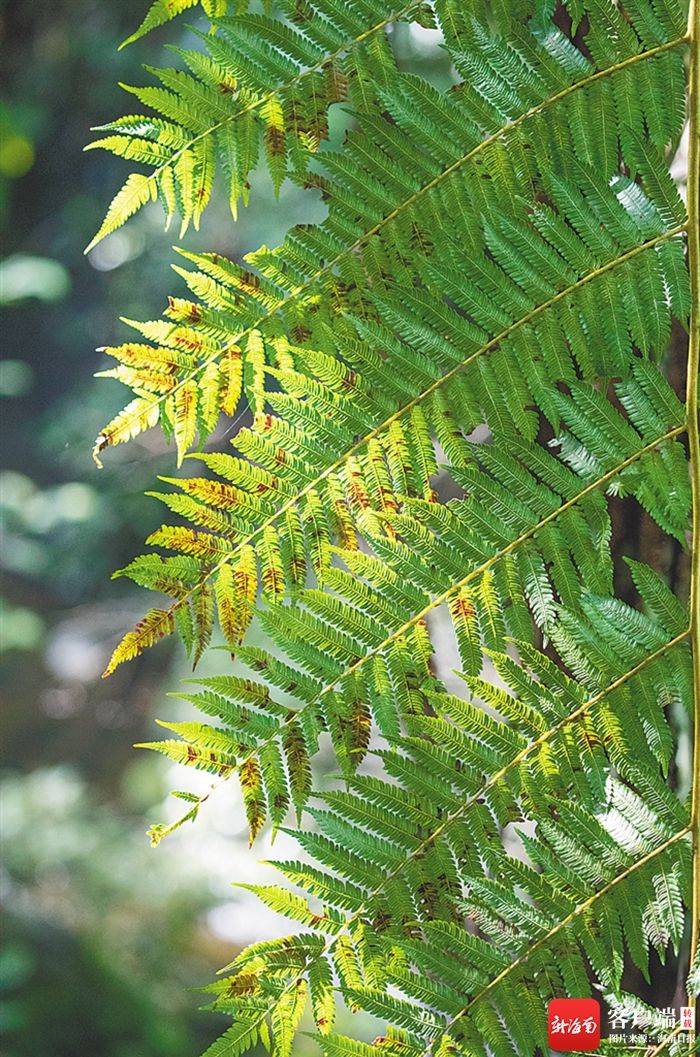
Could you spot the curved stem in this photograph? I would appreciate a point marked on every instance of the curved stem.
(694, 445)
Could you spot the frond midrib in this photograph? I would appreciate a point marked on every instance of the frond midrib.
(692, 413)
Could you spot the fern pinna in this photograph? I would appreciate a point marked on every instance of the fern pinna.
(455, 381)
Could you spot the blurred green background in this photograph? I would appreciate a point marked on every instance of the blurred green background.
(104, 936)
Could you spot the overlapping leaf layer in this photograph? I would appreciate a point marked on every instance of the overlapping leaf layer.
(451, 379)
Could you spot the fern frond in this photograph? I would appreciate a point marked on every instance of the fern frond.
(303, 274)
(421, 829)
(336, 645)
(162, 11)
(371, 473)
(217, 113)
